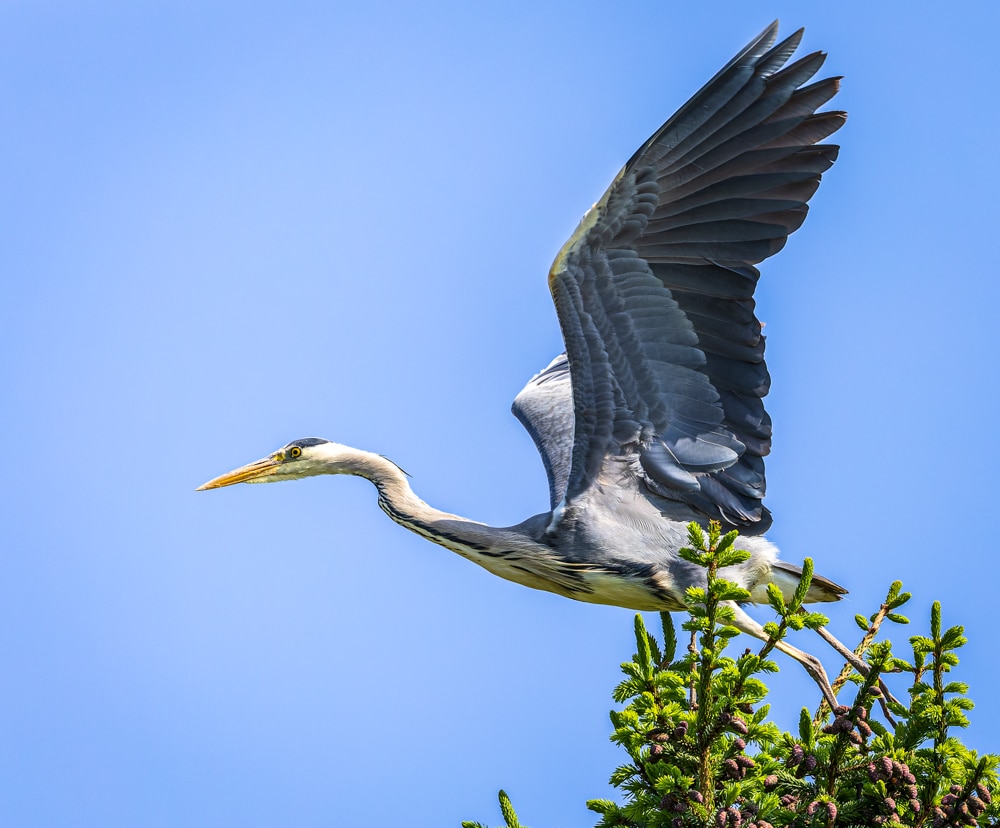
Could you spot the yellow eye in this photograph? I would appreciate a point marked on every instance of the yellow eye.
(295, 452)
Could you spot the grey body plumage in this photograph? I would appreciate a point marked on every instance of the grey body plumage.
(654, 416)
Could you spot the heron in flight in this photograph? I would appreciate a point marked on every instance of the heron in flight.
(653, 417)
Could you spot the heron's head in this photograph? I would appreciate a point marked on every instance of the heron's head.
(300, 458)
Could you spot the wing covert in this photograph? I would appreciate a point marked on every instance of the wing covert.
(545, 408)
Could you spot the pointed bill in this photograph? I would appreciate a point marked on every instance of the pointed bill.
(251, 473)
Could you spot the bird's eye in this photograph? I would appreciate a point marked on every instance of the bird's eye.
(295, 452)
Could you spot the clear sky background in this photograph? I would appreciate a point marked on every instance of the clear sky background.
(227, 225)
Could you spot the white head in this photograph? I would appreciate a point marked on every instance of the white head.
(300, 458)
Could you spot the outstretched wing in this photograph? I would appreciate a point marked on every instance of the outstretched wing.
(654, 290)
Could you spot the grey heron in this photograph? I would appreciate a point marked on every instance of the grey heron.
(653, 417)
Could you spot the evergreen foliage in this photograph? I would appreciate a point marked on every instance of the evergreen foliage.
(703, 754)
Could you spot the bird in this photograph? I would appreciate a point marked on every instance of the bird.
(653, 416)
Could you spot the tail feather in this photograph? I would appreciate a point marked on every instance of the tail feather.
(786, 577)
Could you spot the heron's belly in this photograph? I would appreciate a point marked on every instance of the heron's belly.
(630, 593)
(581, 582)
(623, 583)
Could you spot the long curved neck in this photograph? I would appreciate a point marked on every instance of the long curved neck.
(395, 495)
(397, 499)
(512, 553)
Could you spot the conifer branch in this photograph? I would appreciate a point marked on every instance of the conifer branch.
(703, 753)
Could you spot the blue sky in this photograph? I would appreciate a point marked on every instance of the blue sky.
(229, 225)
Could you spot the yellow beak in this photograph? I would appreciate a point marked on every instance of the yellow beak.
(244, 474)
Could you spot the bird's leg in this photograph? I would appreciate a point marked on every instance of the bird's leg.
(692, 693)
(744, 623)
(854, 660)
